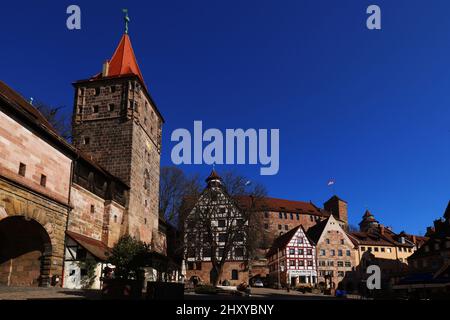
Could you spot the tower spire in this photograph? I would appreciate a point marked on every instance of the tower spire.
(126, 19)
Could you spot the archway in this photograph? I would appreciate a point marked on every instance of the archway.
(25, 252)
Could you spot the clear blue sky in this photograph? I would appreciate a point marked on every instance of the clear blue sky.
(370, 109)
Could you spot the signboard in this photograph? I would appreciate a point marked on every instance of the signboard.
(299, 273)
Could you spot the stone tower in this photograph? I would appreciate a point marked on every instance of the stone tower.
(116, 122)
(338, 208)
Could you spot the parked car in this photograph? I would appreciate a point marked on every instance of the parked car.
(258, 283)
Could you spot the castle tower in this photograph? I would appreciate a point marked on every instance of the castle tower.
(368, 222)
(117, 123)
(338, 208)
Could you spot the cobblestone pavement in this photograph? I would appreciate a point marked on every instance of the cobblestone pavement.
(25, 293)
(262, 294)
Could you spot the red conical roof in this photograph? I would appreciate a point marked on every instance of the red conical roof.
(123, 61)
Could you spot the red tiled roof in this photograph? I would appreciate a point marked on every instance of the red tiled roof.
(274, 204)
(282, 241)
(15, 99)
(95, 247)
(123, 62)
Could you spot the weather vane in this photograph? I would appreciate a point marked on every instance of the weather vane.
(127, 19)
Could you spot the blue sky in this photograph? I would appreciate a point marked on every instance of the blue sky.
(370, 109)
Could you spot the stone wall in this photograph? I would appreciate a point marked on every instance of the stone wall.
(205, 268)
(19, 144)
(50, 218)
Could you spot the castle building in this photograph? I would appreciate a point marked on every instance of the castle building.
(61, 204)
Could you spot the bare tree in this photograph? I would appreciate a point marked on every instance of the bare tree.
(220, 224)
(174, 186)
(60, 122)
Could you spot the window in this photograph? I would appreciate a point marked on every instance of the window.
(239, 237)
(292, 216)
(341, 274)
(113, 89)
(327, 241)
(239, 252)
(383, 249)
(240, 222)
(300, 252)
(342, 241)
(190, 266)
(86, 140)
(220, 252)
(222, 237)
(300, 241)
(279, 227)
(348, 253)
(286, 227)
(43, 180)
(311, 218)
(348, 264)
(292, 263)
(340, 263)
(376, 249)
(363, 248)
(266, 214)
(322, 252)
(115, 219)
(309, 252)
(145, 220)
(389, 250)
(298, 216)
(266, 226)
(206, 252)
(332, 252)
(280, 215)
(198, 266)
(322, 263)
(221, 223)
(310, 263)
(292, 251)
(97, 91)
(330, 263)
(285, 215)
(340, 253)
(234, 274)
(301, 263)
(92, 208)
(111, 107)
(22, 169)
(95, 109)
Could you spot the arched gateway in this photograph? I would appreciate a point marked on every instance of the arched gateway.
(25, 252)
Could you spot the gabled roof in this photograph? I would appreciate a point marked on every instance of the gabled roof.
(316, 230)
(283, 240)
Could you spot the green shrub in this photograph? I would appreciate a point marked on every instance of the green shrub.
(128, 256)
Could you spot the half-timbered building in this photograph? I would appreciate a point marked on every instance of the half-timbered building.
(292, 259)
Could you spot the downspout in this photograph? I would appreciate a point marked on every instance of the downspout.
(67, 222)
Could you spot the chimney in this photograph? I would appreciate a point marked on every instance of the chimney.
(414, 240)
(382, 230)
(105, 70)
